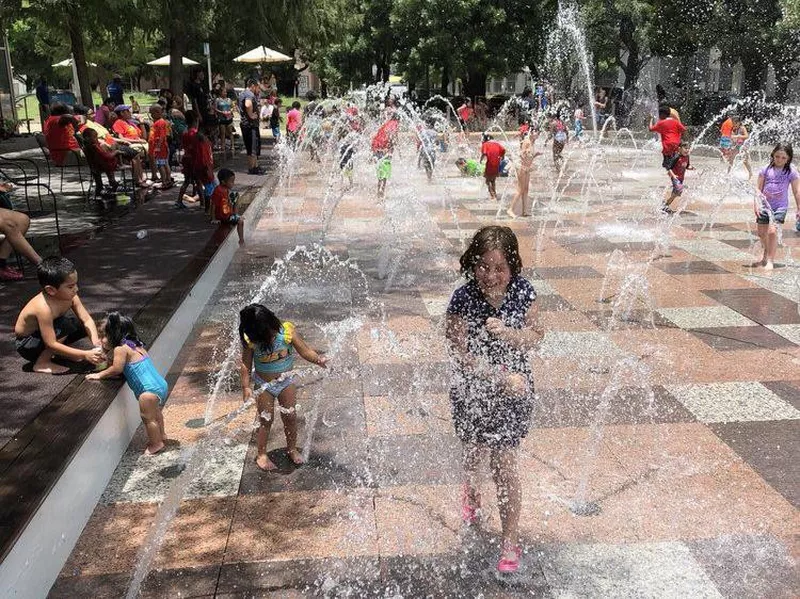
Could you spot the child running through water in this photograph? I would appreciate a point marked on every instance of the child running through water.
(677, 174)
(772, 203)
(130, 359)
(492, 152)
(560, 135)
(491, 324)
(268, 352)
(670, 131)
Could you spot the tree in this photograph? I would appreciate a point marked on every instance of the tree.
(619, 33)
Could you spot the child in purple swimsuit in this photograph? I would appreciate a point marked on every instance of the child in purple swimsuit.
(131, 360)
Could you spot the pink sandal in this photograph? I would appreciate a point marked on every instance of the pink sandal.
(509, 565)
(469, 512)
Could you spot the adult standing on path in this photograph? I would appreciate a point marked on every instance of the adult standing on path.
(197, 90)
(116, 91)
(43, 96)
(251, 134)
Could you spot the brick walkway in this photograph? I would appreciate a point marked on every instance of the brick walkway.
(695, 470)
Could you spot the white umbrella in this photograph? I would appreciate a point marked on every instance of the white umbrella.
(67, 62)
(262, 54)
(164, 61)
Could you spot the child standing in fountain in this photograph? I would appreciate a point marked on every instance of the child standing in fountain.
(493, 152)
(670, 131)
(130, 359)
(772, 204)
(677, 174)
(268, 352)
(491, 324)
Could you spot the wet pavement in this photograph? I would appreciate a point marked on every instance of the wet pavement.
(692, 462)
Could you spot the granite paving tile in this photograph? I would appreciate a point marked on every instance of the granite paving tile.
(733, 402)
(741, 338)
(653, 570)
(787, 331)
(197, 535)
(760, 305)
(690, 267)
(576, 344)
(413, 415)
(705, 317)
(748, 566)
(430, 377)
(567, 272)
(302, 525)
(771, 449)
(555, 408)
(789, 391)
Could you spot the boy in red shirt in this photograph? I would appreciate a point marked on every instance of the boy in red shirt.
(493, 152)
(223, 203)
(189, 143)
(382, 148)
(159, 145)
(677, 173)
(670, 131)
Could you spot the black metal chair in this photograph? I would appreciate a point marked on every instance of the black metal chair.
(46, 152)
(96, 180)
(25, 181)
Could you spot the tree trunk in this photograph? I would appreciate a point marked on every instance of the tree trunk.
(79, 56)
(445, 81)
(475, 85)
(754, 72)
(784, 73)
(177, 46)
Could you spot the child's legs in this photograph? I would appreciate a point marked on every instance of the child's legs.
(772, 242)
(763, 236)
(265, 404)
(165, 173)
(287, 400)
(471, 456)
(240, 229)
(509, 494)
(153, 424)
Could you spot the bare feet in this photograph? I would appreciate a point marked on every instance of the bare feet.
(155, 449)
(265, 463)
(296, 458)
(768, 266)
(761, 262)
(511, 214)
(50, 368)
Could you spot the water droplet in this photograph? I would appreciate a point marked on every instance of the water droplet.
(141, 233)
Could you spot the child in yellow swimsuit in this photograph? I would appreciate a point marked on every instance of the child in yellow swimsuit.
(268, 351)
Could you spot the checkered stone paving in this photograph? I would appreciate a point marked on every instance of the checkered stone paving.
(673, 406)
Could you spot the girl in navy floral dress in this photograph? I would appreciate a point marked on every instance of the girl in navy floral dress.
(491, 324)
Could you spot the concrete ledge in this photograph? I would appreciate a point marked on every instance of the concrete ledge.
(32, 565)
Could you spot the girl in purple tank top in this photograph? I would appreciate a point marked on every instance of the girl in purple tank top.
(772, 201)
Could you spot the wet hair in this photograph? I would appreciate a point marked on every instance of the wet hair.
(191, 117)
(119, 328)
(782, 147)
(295, 104)
(487, 239)
(259, 325)
(486, 137)
(663, 111)
(53, 271)
(224, 174)
(461, 161)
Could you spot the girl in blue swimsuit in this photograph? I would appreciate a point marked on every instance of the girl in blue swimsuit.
(131, 360)
(268, 353)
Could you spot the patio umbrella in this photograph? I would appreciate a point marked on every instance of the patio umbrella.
(164, 61)
(262, 54)
(67, 62)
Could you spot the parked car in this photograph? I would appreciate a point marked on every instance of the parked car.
(64, 96)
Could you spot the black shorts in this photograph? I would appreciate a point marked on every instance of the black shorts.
(669, 160)
(252, 140)
(68, 330)
(778, 216)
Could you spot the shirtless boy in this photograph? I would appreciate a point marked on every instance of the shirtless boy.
(45, 327)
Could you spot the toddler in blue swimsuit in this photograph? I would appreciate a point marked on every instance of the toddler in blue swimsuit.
(131, 360)
(268, 353)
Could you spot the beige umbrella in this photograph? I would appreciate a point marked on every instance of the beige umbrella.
(262, 54)
(67, 62)
(164, 61)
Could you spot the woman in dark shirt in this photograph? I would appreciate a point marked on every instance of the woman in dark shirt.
(491, 324)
